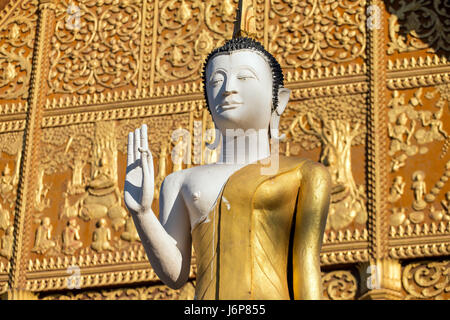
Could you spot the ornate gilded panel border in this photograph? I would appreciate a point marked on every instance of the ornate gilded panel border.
(370, 103)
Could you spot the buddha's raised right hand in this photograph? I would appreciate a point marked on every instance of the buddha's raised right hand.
(139, 178)
(166, 242)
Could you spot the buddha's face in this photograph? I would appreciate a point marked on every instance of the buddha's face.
(239, 89)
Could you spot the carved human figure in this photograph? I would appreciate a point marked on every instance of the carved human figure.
(130, 233)
(43, 240)
(162, 164)
(397, 189)
(69, 211)
(4, 218)
(401, 135)
(6, 181)
(76, 185)
(419, 188)
(218, 208)
(102, 197)
(101, 237)
(71, 237)
(398, 162)
(178, 154)
(436, 131)
(40, 201)
(101, 178)
(446, 203)
(6, 243)
(211, 155)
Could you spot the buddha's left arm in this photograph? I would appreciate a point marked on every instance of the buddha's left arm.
(312, 210)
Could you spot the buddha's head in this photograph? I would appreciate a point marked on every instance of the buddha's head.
(243, 86)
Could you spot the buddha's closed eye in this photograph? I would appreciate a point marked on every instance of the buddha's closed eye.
(245, 77)
(216, 82)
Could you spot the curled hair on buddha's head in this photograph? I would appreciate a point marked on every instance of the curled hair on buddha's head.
(242, 43)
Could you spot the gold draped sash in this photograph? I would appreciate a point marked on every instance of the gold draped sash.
(242, 248)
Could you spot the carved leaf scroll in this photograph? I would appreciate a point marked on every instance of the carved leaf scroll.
(17, 35)
(95, 46)
(316, 33)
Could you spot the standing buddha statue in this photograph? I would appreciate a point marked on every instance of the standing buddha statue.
(257, 233)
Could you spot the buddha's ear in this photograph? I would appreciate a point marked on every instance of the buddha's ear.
(283, 99)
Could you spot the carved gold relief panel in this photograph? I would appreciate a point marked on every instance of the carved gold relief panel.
(151, 292)
(337, 285)
(131, 62)
(417, 43)
(17, 36)
(315, 34)
(340, 285)
(79, 216)
(95, 47)
(332, 131)
(429, 280)
(187, 31)
(10, 147)
(419, 169)
(418, 28)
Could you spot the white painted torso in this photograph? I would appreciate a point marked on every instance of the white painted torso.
(201, 187)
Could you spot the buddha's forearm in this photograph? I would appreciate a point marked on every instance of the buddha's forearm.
(307, 282)
(312, 211)
(162, 250)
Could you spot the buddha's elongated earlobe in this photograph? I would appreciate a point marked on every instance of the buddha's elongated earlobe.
(283, 99)
(217, 137)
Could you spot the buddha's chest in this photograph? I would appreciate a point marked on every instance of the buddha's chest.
(277, 192)
(202, 188)
(274, 199)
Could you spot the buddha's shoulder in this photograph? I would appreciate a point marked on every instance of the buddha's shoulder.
(290, 161)
(306, 167)
(184, 176)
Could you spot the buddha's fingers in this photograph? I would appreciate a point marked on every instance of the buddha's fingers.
(147, 168)
(144, 146)
(130, 149)
(137, 144)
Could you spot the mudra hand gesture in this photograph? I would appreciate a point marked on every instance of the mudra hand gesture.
(139, 179)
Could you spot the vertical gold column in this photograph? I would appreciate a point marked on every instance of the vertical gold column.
(381, 280)
(376, 129)
(30, 152)
(142, 44)
(379, 267)
(154, 47)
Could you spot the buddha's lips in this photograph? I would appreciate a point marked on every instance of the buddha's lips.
(229, 105)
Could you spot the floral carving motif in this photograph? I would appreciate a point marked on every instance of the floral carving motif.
(316, 33)
(158, 292)
(339, 285)
(99, 50)
(419, 24)
(16, 43)
(426, 280)
(188, 31)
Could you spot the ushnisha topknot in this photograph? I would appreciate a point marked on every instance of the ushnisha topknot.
(242, 43)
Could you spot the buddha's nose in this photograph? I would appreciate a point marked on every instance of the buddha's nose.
(230, 86)
(227, 93)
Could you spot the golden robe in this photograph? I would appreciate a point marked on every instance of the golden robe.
(244, 247)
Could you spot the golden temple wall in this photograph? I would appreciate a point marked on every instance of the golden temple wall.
(370, 99)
